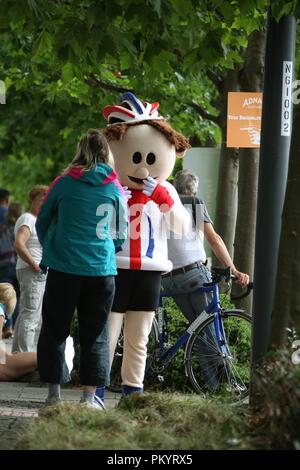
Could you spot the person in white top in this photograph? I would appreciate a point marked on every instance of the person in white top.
(188, 256)
(29, 274)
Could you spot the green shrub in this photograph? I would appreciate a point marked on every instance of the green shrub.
(225, 301)
(276, 418)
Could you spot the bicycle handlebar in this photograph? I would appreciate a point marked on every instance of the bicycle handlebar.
(225, 273)
(245, 294)
(217, 275)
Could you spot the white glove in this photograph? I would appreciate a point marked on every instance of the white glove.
(149, 186)
(127, 192)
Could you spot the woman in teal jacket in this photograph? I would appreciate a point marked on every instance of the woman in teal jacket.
(81, 223)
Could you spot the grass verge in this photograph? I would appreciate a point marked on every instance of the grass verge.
(151, 421)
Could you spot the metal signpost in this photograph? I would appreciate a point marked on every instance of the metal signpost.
(273, 170)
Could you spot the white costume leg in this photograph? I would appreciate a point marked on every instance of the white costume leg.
(136, 332)
(115, 321)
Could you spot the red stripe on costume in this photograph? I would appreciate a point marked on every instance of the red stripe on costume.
(136, 205)
(135, 241)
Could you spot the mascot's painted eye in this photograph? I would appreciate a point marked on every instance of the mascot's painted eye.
(150, 158)
(137, 157)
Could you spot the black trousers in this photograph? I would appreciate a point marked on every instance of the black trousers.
(93, 297)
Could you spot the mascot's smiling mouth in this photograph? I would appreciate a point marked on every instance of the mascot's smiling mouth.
(136, 180)
(139, 180)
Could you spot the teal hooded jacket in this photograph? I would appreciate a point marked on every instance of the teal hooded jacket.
(83, 221)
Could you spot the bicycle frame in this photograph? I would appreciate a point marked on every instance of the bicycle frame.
(213, 308)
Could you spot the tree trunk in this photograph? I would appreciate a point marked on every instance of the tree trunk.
(286, 310)
(226, 207)
(251, 80)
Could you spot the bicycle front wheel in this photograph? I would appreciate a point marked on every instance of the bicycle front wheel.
(226, 375)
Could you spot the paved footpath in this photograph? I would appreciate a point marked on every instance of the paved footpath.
(20, 403)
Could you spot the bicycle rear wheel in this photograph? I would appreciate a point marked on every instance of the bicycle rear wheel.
(211, 372)
(115, 373)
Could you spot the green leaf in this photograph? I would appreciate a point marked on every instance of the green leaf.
(43, 45)
(66, 132)
(162, 62)
(125, 61)
(76, 47)
(67, 72)
(129, 45)
(8, 82)
(156, 4)
(281, 8)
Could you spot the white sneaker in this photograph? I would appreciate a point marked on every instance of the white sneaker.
(96, 405)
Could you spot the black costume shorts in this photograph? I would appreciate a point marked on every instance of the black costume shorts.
(136, 290)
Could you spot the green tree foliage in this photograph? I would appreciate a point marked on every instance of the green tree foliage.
(63, 61)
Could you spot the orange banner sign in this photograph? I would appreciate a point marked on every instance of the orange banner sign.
(244, 119)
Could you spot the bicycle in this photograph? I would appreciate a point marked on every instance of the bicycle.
(217, 346)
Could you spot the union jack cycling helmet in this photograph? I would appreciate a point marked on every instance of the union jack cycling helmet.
(131, 110)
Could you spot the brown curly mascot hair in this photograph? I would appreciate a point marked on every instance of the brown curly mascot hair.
(181, 143)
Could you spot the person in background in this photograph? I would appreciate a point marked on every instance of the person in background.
(14, 211)
(189, 260)
(4, 202)
(81, 223)
(8, 302)
(6, 247)
(7, 251)
(16, 365)
(12, 366)
(31, 278)
(8, 262)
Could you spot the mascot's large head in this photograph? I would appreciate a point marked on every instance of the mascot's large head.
(142, 141)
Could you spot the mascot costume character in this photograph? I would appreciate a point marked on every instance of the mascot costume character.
(144, 146)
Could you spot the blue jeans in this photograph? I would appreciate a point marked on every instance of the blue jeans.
(184, 288)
